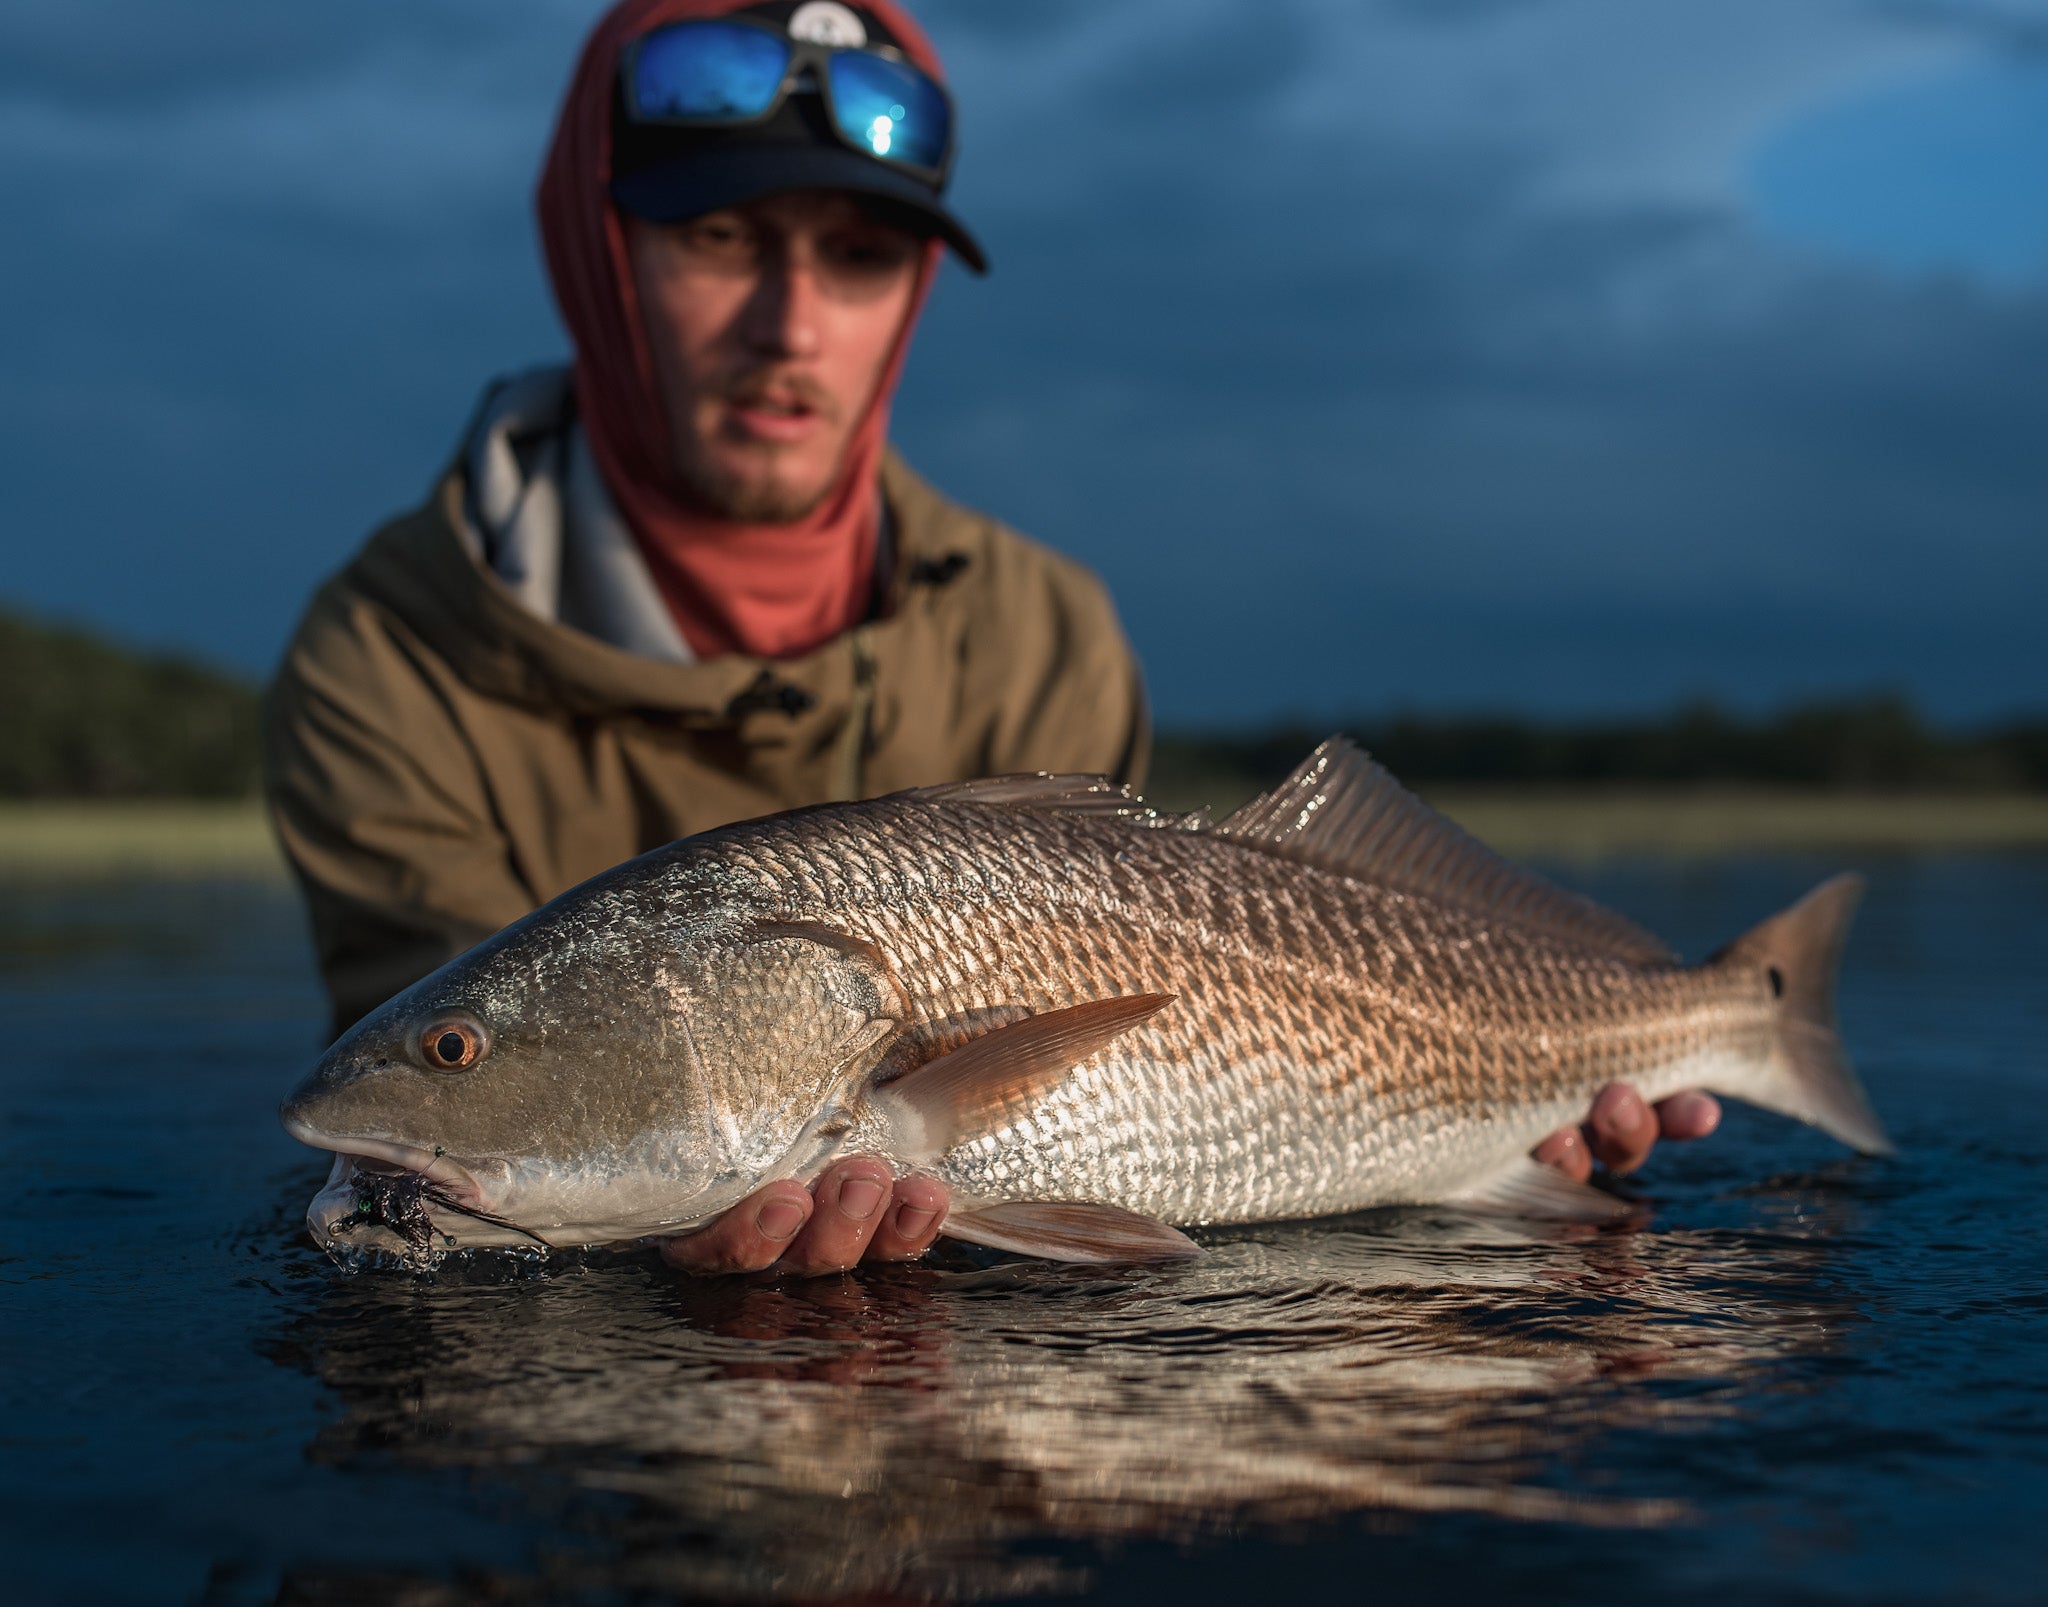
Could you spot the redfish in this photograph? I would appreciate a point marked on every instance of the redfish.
(1097, 1023)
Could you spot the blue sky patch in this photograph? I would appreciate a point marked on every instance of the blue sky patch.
(1946, 173)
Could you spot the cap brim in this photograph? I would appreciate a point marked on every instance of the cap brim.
(703, 181)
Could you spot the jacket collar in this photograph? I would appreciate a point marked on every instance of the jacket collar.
(428, 571)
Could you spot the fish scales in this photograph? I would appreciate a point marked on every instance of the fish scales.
(1356, 1045)
(1043, 993)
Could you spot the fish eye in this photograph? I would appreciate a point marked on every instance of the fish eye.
(453, 1042)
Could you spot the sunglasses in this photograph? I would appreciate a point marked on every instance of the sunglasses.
(723, 74)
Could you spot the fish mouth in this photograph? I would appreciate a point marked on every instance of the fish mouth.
(455, 1181)
(447, 1209)
(369, 1208)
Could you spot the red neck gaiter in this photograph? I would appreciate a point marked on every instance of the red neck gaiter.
(770, 590)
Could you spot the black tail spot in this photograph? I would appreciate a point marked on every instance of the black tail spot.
(1777, 982)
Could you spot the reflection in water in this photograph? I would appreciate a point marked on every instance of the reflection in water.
(925, 1432)
(1838, 1372)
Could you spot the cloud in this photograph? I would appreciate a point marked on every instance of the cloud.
(148, 115)
(2013, 27)
(1450, 360)
(1937, 171)
(1374, 351)
(1606, 99)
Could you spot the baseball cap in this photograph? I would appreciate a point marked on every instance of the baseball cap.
(666, 172)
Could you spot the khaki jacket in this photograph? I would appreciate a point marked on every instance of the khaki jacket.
(439, 760)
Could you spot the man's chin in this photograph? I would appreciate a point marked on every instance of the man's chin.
(757, 493)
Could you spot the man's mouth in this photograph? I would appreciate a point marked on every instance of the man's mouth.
(782, 417)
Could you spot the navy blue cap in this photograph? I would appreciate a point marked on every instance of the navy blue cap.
(667, 174)
(693, 183)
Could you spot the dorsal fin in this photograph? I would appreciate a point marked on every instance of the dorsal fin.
(1067, 795)
(1096, 795)
(1341, 812)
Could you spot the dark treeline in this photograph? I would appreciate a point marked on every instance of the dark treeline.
(1873, 743)
(83, 718)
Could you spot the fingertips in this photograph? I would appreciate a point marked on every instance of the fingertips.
(749, 1237)
(1566, 1150)
(1622, 1130)
(1691, 1114)
(779, 1219)
(912, 1221)
(851, 1197)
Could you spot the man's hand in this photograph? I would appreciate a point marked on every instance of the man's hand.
(1621, 1130)
(855, 1211)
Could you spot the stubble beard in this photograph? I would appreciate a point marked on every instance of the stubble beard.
(750, 482)
(757, 496)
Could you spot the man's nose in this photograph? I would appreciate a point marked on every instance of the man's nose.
(783, 316)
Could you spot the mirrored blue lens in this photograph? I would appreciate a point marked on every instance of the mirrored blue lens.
(708, 69)
(890, 108)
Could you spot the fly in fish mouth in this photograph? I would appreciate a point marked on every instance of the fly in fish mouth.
(373, 1207)
(394, 1199)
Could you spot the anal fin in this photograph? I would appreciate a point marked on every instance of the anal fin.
(1063, 1231)
(1542, 1193)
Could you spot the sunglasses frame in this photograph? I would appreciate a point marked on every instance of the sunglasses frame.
(802, 54)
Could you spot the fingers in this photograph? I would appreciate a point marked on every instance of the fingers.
(1691, 1114)
(911, 1221)
(752, 1235)
(1621, 1128)
(1566, 1150)
(856, 1209)
(851, 1197)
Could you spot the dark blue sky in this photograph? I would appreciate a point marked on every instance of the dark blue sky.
(1560, 355)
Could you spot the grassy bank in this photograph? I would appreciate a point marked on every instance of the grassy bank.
(97, 839)
(197, 839)
(1592, 825)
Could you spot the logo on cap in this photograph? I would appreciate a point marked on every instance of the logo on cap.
(826, 22)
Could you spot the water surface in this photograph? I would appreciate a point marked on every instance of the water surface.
(1810, 1378)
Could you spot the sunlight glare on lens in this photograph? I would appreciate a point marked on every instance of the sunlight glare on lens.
(878, 134)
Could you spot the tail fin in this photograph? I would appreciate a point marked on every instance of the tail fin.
(1796, 952)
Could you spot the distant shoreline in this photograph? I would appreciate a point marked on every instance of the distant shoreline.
(97, 840)
(1705, 822)
(1581, 822)
(91, 838)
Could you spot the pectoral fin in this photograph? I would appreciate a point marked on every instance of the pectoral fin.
(1530, 1189)
(996, 1079)
(1063, 1231)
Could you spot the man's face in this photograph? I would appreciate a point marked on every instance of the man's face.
(770, 324)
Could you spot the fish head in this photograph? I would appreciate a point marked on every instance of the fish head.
(598, 1072)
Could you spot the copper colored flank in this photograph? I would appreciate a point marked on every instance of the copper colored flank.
(1096, 1023)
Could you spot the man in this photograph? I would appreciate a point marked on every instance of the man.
(688, 582)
